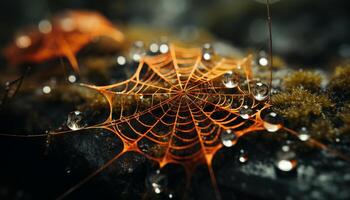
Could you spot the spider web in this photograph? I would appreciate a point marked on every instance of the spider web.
(175, 107)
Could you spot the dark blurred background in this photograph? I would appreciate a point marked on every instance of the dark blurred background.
(311, 33)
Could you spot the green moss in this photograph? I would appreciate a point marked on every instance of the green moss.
(304, 79)
(322, 129)
(339, 85)
(300, 106)
(326, 114)
(344, 115)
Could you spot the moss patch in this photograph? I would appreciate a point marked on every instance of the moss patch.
(339, 85)
(304, 79)
(299, 106)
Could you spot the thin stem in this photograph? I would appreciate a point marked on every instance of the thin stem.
(269, 21)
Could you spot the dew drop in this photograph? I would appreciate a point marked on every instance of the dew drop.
(260, 91)
(72, 78)
(207, 52)
(263, 61)
(243, 156)
(23, 41)
(285, 148)
(45, 26)
(67, 24)
(285, 165)
(304, 134)
(121, 60)
(230, 80)
(157, 182)
(171, 195)
(164, 48)
(76, 121)
(272, 122)
(46, 89)
(228, 138)
(68, 170)
(285, 162)
(245, 112)
(137, 51)
(154, 47)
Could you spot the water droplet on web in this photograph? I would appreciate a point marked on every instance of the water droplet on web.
(272, 122)
(76, 120)
(164, 48)
(228, 138)
(154, 47)
(157, 182)
(260, 91)
(304, 134)
(245, 112)
(230, 80)
(207, 52)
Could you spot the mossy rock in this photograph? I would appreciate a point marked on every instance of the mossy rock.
(301, 107)
(339, 85)
(308, 80)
